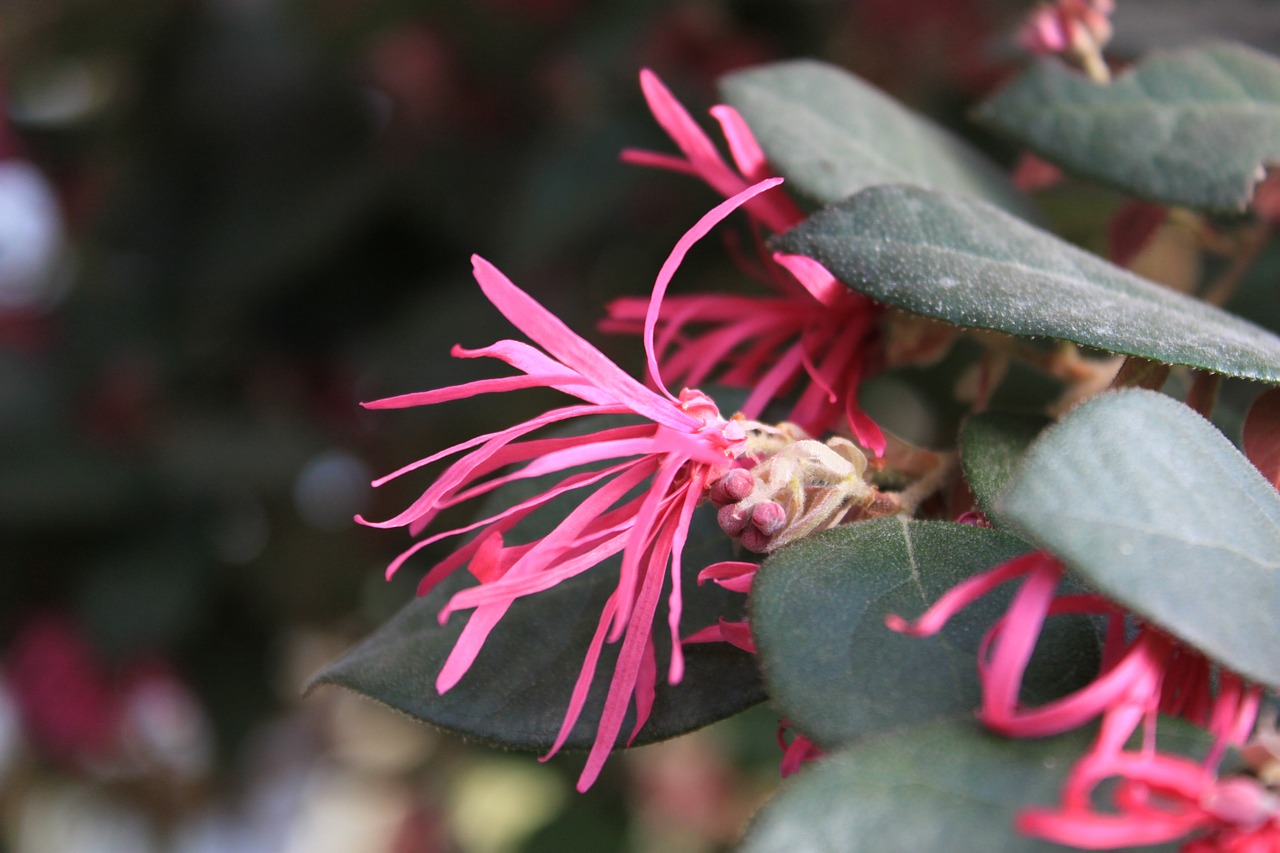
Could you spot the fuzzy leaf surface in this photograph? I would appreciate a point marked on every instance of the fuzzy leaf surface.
(833, 668)
(991, 445)
(830, 134)
(1193, 127)
(966, 262)
(1155, 508)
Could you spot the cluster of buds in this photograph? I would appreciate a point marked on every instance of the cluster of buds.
(801, 486)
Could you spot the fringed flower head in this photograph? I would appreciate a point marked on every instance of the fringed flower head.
(681, 447)
(1144, 670)
(815, 337)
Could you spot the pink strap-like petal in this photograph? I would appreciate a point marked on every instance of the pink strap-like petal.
(655, 160)
(643, 532)
(737, 634)
(582, 687)
(821, 285)
(549, 332)
(688, 136)
(675, 602)
(700, 229)
(627, 669)
(646, 689)
(965, 593)
(730, 574)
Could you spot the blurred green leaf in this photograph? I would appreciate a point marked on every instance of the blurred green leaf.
(833, 668)
(1157, 510)
(1193, 127)
(831, 134)
(991, 445)
(965, 262)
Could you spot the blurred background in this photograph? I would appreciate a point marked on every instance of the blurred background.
(225, 222)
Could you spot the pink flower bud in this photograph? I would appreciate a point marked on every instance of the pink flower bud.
(769, 517)
(733, 519)
(732, 487)
(755, 541)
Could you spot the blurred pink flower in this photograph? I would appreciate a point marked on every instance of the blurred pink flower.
(65, 695)
(680, 449)
(1157, 799)
(815, 334)
(1067, 26)
(1143, 672)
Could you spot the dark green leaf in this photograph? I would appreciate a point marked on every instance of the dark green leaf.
(1193, 127)
(831, 134)
(947, 786)
(968, 263)
(991, 445)
(1152, 506)
(833, 668)
(516, 692)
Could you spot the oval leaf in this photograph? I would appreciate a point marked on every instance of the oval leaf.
(1193, 127)
(947, 786)
(516, 692)
(971, 264)
(833, 668)
(991, 445)
(830, 134)
(1152, 506)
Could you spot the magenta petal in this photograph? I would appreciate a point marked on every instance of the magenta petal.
(688, 136)
(1002, 679)
(731, 575)
(821, 284)
(549, 332)
(963, 594)
(646, 689)
(470, 641)
(626, 671)
(675, 606)
(700, 229)
(582, 687)
(655, 160)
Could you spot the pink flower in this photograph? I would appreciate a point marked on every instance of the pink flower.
(65, 694)
(1144, 671)
(1158, 799)
(681, 446)
(815, 335)
(1067, 26)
